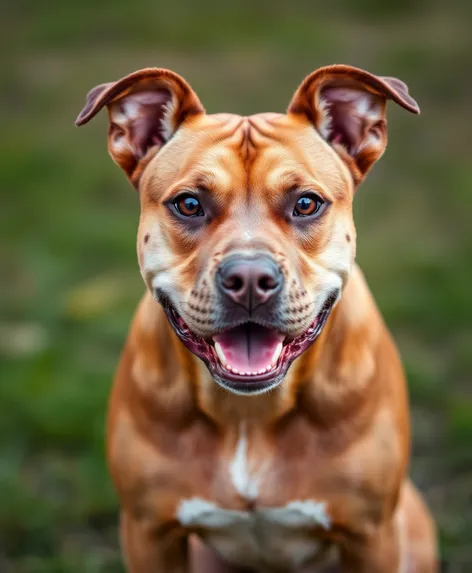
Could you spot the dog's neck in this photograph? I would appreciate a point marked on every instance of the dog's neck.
(327, 383)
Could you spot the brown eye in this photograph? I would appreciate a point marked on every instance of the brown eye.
(307, 205)
(189, 206)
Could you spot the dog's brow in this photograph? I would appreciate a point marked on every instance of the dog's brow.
(298, 184)
(202, 179)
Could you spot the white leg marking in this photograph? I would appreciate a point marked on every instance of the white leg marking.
(264, 538)
(301, 513)
(203, 513)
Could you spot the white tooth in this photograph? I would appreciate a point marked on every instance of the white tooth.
(253, 373)
(235, 371)
(220, 353)
(277, 353)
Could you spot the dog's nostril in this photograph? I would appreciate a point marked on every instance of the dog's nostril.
(233, 283)
(267, 283)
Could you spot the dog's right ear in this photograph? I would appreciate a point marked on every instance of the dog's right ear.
(145, 109)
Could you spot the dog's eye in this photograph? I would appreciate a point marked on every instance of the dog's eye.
(309, 204)
(188, 206)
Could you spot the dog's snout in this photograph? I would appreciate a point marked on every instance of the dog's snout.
(250, 282)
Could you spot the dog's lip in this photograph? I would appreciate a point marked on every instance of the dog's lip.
(204, 348)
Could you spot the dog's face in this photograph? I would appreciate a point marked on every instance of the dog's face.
(246, 234)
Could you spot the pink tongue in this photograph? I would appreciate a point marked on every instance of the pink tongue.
(249, 348)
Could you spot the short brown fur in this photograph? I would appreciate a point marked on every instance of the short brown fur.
(337, 428)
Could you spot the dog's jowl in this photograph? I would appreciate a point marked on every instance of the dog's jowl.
(259, 417)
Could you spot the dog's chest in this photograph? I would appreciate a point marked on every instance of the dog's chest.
(263, 538)
(275, 533)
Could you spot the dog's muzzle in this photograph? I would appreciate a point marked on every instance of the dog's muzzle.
(250, 349)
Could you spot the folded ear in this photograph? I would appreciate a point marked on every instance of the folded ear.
(145, 109)
(347, 107)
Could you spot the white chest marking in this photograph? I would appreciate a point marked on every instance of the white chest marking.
(245, 484)
(263, 537)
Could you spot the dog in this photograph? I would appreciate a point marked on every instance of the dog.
(259, 416)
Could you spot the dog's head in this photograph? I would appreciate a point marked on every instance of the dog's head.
(246, 235)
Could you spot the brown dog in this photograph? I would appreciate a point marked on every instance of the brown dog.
(247, 243)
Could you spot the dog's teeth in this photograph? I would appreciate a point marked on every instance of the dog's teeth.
(253, 373)
(276, 354)
(220, 354)
(235, 371)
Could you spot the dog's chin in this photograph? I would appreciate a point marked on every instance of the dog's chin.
(249, 358)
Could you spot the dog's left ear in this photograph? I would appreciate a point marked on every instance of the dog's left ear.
(347, 107)
(145, 109)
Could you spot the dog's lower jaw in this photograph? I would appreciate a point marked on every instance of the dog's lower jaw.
(245, 389)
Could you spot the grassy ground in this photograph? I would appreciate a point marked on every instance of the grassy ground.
(68, 220)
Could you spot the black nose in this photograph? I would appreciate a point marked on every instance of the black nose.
(250, 282)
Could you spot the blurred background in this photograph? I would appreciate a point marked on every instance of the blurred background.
(68, 219)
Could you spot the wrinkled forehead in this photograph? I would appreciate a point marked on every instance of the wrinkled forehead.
(234, 154)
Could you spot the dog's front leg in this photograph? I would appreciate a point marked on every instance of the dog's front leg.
(148, 551)
(380, 552)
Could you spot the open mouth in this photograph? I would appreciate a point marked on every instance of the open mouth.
(249, 358)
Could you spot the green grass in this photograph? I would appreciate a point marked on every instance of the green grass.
(68, 221)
